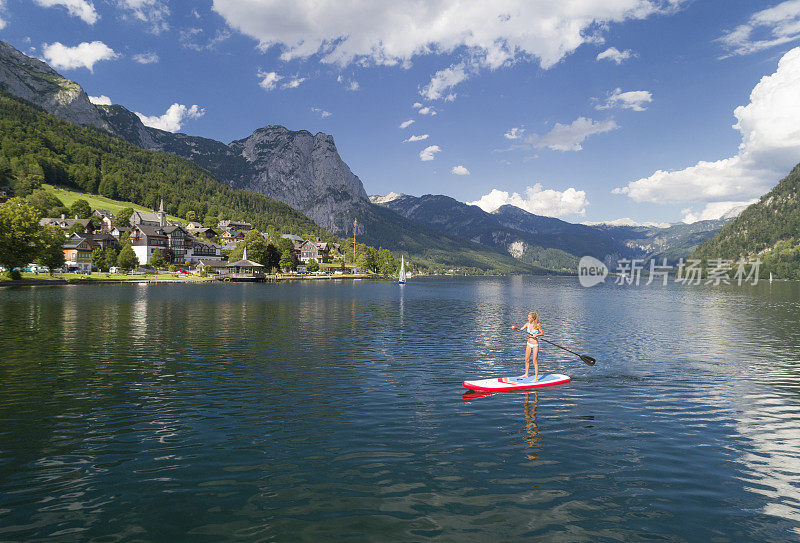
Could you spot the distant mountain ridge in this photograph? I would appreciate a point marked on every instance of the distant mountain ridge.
(538, 239)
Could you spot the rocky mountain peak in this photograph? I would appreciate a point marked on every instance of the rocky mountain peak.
(36, 82)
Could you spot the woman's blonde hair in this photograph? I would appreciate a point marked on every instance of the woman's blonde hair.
(535, 318)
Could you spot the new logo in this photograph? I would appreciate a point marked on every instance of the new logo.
(591, 271)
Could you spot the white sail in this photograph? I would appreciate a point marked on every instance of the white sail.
(402, 277)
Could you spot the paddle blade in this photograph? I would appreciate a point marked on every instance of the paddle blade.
(588, 359)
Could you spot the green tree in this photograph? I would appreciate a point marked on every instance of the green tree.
(123, 216)
(312, 265)
(157, 259)
(44, 202)
(98, 258)
(367, 259)
(51, 250)
(284, 245)
(191, 215)
(96, 223)
(272, 257)
(76, 228)
(81, 208)
(127, 259)
(387, 265)
(19, 233)
(287, 262)
(110, 258)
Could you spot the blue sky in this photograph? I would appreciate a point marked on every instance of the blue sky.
(588, 110)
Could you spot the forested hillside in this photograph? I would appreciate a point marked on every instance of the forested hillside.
(769, 229)
(36, 148)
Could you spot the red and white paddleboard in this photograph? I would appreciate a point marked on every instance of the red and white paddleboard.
(505, 384)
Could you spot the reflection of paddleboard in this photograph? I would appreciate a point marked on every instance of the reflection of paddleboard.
(516, 383)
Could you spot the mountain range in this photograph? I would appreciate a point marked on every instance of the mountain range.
(305, 171)
(547, 241)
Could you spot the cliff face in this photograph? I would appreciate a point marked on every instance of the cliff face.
(304, 171)
(39, 84)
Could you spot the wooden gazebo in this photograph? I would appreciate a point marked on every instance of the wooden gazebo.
(245, 269)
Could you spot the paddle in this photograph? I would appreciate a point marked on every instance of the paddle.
(587, 359)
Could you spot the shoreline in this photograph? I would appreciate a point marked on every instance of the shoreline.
(61, 281)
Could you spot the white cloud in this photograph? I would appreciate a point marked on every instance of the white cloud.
(416, 105)
(568, 137)
(775, 26)
(172, 120)
(101, 100)
(615, 55)
(427, 110)
(322, 113)
(83, 55)
(82, 9)
(716, 210)
(269, 80)
(627, 221)
(428, 153)
(444, 80)
(537, 200)
(406, 124)
(350, 85)
(416, 138)
(152, 12)
(514, 133)
(2, 9)
(146, 58)
(635, 100)
(393, 33)
(293, 83)
(770, 147)
(190, 38)
(459, 170)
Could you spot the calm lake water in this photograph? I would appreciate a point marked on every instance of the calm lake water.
(311, 411)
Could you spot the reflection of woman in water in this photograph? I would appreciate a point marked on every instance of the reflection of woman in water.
(533, 327)
(531, 430)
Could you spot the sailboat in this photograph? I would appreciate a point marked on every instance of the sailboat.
(401, 279)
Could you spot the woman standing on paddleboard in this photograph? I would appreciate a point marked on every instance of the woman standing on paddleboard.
(533, 327)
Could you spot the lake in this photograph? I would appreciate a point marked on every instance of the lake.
(303, 411)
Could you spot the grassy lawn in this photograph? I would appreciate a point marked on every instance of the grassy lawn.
(99, 277)
(97, 202)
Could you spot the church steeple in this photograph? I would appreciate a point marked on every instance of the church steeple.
(162, 216)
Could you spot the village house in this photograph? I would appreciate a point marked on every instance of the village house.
(145, 239)
(171, 239)
(78, 254)
(231, 235)
(106, 216)
(203, 251)
(119, 231)
(146, 218)
(65, 223)
(212, 266)
(200, 231)
(235, 225)
(103, 240)
(318, 250)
